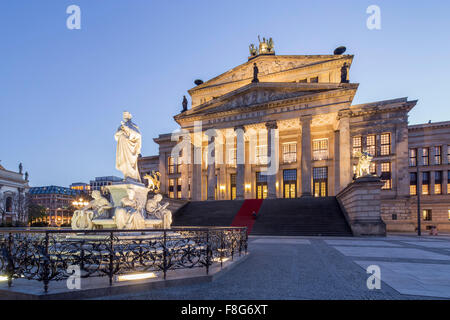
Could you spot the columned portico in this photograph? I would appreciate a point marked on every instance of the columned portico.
(306, 155)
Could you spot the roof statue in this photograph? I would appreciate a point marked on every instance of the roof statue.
(266, 47)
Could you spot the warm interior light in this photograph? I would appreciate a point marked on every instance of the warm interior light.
(223, 259)
(3, 278)
(222, 188)
(248, 186)
(277, 184)
(136, 276)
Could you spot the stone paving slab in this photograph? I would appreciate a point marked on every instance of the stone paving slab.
(365, 243)
(430, 244)
(281, 241)
(395, 253)
(421, 279)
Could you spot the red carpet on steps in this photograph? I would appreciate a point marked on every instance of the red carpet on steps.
(244, 217)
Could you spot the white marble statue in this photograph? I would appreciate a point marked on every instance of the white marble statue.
(129, 143)
(97, 208)
(363, 167)
(154, 208)
(128, 215)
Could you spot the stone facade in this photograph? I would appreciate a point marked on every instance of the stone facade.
(13, 195)
(300, 114)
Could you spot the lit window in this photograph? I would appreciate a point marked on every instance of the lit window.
(171, 165)
(320, 182)
(425, 156)
(289, 152)
(372, 168)
(385, 144)
(413, 183)
(371, 145)
(427, 216)
(438, 155)
(386, 175)
(412, 157)
(357, 145)
(171, 188)
(261, 154)
(438, 182)
(320, 149)
(425, 183)
(448, 214)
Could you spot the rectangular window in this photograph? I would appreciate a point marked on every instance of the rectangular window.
(233, 186)
(373, 168)
(425, 156)
(320, 149)
(314, 80)
(412, 157)
(438, 155)
(289, 152)
(449, 214)
(261, 154)
(357, 145)
(171, 165)
(178, 188)
(290, 183)
(172, 188)
(427, 215)
(320, 182)
(232, 155)
(448, 182)
(438, 182)
(371, 145)
(413, 183)
(385, 144)
(386, 175)
(425, 183)
(448, 154)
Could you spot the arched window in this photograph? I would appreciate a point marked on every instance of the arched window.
(8, 204)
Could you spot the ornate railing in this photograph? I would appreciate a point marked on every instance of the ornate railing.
(46, 255)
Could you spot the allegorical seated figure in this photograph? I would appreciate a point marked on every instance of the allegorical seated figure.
(363, 167)
(128, 215)
(154, 208)
(97, 208)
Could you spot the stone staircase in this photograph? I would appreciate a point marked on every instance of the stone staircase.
(301, 217)
(283, 217)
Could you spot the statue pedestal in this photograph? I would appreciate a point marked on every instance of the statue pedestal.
(361, 203)
(118, 191)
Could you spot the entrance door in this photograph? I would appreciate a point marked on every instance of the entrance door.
(261, 186)
(290, 183)
(320, 182)
(233, 186)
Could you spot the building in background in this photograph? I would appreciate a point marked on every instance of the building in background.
(306, 100)
(13, 195)
(81, 186)
(147, 165)
(57, 201)
(99, 182)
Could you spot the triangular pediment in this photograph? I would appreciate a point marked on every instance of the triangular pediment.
(256, 94)
(270, 65)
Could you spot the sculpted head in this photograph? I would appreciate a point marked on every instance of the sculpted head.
(158, 197)
(131, 194)
(127, 116)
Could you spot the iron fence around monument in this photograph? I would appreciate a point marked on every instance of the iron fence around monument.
(49, 255)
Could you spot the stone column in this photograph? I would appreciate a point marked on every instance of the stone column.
(345, 165)
(211, 170)
(272, 155)
(306, 155)
(196, 181)
(185, 169)
(444, 182)
(240, 161)
(163, 171)
(402, 160)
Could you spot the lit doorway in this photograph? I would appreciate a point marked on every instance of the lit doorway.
(261, 186)
(290, 183)
(320, 182)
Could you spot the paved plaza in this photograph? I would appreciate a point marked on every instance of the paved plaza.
(328, 268)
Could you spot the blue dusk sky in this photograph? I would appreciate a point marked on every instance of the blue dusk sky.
(63, 91)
